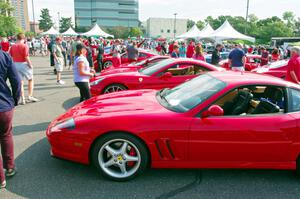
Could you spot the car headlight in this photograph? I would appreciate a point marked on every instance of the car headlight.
(66, 124)
(96, 82)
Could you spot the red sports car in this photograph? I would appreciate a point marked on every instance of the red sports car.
(217, 120)
(167, 73)
(252, 62)
(133, 66)
(108, 60)
(277, 69)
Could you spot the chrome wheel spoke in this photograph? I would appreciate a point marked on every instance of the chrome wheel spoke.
(123, 168)
(123, 149)
(130, 158)
(109, 163)
(111, 150)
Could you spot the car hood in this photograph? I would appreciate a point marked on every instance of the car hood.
(117, 104)
(125, 73)
(118, 70)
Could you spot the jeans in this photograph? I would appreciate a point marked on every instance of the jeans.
(6, 141)
(84, 89)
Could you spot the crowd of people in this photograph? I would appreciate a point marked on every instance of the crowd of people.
(81, 54)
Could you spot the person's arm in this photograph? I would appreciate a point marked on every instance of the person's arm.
(54, 52)
(14, 80)
(244, 61)
(294, 77)
(27, 58)
(81, 70)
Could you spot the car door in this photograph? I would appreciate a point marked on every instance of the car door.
(236, 139)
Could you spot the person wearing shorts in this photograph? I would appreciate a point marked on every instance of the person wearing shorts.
(58, 55)
(237, 59)
(20, 54)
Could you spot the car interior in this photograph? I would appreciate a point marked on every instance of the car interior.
(182, 70)
(253, 100)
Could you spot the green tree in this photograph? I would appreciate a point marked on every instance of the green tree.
(289, 17)
(135, 32)
(65, 24)
(190, 24)
(200, 24)
(7, 23)
(45, 20)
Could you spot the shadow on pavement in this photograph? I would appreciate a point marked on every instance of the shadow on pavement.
(41, 176)
(23, 129)
(70, 103)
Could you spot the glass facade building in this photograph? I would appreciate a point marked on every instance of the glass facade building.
(108, 13)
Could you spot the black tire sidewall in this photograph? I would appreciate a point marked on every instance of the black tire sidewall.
(139, 144)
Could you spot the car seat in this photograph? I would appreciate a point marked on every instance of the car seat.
(265, 107)
(275, 96)
(240, 104)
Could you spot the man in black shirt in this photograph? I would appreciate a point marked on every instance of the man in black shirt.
(215, 58)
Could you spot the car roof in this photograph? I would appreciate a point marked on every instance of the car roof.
(238, 78)
(194, 61)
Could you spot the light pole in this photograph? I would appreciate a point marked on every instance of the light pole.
(58, 15)
(247, 13)
(33, 15)
(175, 14)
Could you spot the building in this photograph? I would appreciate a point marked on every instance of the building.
(108, 13)
(34, 27)
(20, 13)
(165, 27)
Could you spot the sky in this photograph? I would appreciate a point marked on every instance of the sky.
(186, 9)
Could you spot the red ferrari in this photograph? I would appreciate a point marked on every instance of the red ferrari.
(134, 66)
(167, 73)
(108, 60)
(252, 62)
(277, 69)
(217, 120)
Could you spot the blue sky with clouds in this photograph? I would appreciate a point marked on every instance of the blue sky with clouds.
(192, 9)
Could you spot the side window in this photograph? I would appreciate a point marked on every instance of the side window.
(294, 100)
(142, 55)
(181, 70)
(199, 69)
(254, 100)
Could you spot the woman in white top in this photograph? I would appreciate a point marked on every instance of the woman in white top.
(82, 72)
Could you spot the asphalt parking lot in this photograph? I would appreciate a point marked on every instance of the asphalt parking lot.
(41, 176)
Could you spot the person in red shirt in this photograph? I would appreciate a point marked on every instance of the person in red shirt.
(20, 55)
(5, 45)
(190, 50)
(275, 54)
(293, 67)
(264, 57)
(171, 48)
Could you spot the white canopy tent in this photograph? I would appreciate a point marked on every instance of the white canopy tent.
(69, 32)
(227, 32)
(194, 32)
(97, 31)
(51, 31)
(206, 31)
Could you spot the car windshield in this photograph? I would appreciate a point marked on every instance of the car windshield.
(278, 64)
(190, 94)
(141, 63)
(156, 67)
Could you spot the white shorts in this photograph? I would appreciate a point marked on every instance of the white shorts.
(24, 71)
(241, 69)
(59, 65)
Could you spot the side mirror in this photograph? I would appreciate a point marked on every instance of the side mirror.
(214, 110)
(166, 75)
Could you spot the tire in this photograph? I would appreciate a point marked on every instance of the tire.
(297, 172)
(107, 64)
(111, 165)
(114, 88)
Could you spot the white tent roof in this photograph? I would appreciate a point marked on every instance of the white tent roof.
(227, 32)
(97, 31)
(69, 32)
(51, 31)
(206, 31)
(192, 33)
